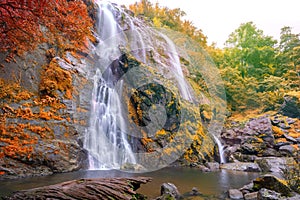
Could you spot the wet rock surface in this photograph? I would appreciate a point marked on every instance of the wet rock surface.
(265, 194)
(168, 191)
(235, 194)
(271, 182)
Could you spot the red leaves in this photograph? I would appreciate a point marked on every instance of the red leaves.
(18, 24)
(21, 21)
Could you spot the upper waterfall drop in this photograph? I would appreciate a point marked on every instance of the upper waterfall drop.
(176, 69)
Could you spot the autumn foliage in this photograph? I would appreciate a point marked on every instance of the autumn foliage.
(26, 23)
(18, 140)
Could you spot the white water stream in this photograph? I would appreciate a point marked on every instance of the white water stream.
(106, 139)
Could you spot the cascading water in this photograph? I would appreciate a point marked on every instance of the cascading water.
(106, 139)
(221, 149)
(176, 69)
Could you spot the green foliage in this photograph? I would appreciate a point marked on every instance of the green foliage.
(289, 56)
(240, 92)
(256, 69)
(250, 51)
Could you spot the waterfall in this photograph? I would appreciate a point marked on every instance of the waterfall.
(176, 69)
(221, 149)
(107, 136)
(137, 43)
(106, 140)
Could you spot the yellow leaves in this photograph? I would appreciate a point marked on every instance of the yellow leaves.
(161, 132)
(281, 140)
(278, 132)
(55, 78)
(157, 22)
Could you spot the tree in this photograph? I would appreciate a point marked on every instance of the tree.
(26, 23)
(251, 51)
(289, 47)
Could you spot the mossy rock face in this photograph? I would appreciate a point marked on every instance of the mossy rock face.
(271, 182)
(161, 121)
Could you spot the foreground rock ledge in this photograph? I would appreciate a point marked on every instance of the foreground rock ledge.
(100, 188)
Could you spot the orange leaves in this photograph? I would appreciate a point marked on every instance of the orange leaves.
(42, 131)
(69, 24)
(13, 91)
(25, 113)
(55, 78)
(66, 23)
(17, 136)
(18, 142)
(1, 155)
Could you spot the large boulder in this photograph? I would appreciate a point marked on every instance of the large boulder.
(168, 191)
(288, 150)
(291, 105)
(235, 194)
(271, 182)
(274, 165)
(212, 166)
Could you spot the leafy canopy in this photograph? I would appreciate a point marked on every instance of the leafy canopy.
(26, 23)
(251, 51)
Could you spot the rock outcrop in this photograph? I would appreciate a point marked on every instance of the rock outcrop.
(101, 188)
(291, 105)
(262, 137)
(44, 113)
(264, 187)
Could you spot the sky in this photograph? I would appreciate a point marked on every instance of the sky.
(219, 18)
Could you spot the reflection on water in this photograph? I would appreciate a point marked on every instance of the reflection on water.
(212, 183)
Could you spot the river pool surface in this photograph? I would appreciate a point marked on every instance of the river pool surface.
(208, 183)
